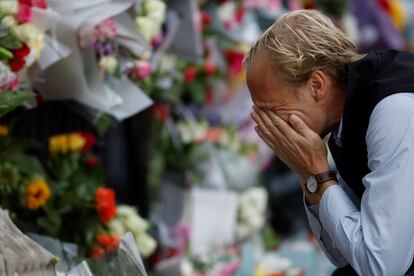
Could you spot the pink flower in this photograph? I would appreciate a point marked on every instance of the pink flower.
(106, 29)
(41, 4)
(210, 67)
(142, 69)
(24, 14)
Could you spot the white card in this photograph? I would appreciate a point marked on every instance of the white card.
(214, 220)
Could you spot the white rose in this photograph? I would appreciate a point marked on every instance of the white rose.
(125, 210)
(186, 268)
(116, 225)
(256, 222)
(109, 64)
(255, 197)
(156, 10)
(136, 224)
(146, 244)
(147, 27)
(30, 35)
(8, 21)
(8, 7)
(243, 231)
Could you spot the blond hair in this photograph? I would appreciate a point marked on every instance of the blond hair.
(303, 41)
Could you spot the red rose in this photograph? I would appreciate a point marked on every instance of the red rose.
(17, 64)
(24, 14)
(104, 240)
(90, 140)
(210, 67)
(21, 53)
(92, 161)
(234, 61)
(205, 19)
(161, 112)
(209, 97)
(105, 204)
(97, 252)
(190, 73)
(239, 15)
(109, 242)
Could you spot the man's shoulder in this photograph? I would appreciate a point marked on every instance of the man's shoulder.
(395, 106)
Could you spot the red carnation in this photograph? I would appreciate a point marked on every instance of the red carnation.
(17, 64)
(25, 2)
(190, 73)
(105, 204)
(39, 4)
(107, 241)
(90, 140)
(24, 14)
(21, 53)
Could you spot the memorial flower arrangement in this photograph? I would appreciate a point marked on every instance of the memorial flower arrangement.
(66, 198)
(20, 46)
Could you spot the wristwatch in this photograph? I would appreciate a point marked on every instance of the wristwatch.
(314, 181)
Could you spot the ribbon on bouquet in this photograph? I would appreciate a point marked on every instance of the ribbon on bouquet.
(77, 76)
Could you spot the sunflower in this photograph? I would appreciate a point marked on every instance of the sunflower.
(37, 194)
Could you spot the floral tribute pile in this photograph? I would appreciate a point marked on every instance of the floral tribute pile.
(66, 198)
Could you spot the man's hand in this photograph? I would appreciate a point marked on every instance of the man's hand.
(294, 143)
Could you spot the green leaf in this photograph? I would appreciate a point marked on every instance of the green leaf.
(197, 91)
(6, 54)
(9, 100)
(103, 124)
(10, 42)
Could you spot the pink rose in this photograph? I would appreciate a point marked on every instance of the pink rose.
(24, 15)
(142, 69)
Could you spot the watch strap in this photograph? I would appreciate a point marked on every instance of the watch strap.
(325, 176)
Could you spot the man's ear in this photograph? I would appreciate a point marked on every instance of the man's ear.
(318, 84)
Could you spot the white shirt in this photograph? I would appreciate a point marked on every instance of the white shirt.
(375, 234)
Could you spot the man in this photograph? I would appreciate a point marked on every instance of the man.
(306, 80)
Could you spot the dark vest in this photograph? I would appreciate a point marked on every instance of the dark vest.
(371, 79)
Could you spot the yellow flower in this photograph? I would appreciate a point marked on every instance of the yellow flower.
(58, 144)
(37, 194)
(76, 142)
(4, 130)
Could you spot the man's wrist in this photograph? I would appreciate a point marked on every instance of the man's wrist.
(314, 199)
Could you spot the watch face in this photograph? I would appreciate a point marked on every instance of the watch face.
(312, 184)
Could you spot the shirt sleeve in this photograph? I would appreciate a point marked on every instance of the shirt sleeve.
(323, 238)
(378, 238)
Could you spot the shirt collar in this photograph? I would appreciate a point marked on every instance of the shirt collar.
(338, 135)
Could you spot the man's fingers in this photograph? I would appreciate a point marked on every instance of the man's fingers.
(282, 126)
(265, 137)
(299, 125)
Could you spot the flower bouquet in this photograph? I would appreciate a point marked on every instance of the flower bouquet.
(20, 46)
